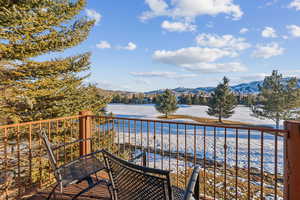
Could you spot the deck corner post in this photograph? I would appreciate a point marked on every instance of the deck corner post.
(292, 161)
(85, 131)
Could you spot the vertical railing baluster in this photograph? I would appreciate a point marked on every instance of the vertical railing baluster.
(225, 163)
(113, 134)
(215, 162)
(248, 184)
(135, 136)
(185, 156)
(177, 158)
(30, 154)
(5, 139)
(123, 135)
(204, 165)
(49, 136)
(107, 133)
(118, 120)
(169, 146)
(195, 145)
(129, 136)
(58, 151)
(236, 162)
(19, 160)
(276, 165)
(154, 143)
(148, 153)
(162, 145)
(142, 148)
(262, 165)
(64, 131)
(40, 159)
(72, 135)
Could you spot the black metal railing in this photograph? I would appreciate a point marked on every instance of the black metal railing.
(237, 162)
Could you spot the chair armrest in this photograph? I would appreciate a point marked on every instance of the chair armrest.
(70, 143)
(191, 190)
(81, 157)
(142, 154)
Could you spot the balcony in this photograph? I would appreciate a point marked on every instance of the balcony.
(237, 162)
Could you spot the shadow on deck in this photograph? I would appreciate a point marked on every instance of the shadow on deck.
(98, 192)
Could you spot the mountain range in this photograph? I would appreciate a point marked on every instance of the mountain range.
(243, 88)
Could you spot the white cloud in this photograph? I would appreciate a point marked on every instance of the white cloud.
(294, 30)
(254, 77)
(295, 4)
(191, 55)
(170, 75)
(271, 2)
(190, 9)
(103, 45)
(244, 30)
(199, 59)
(292, 73)
(285, 37)
(224, 41)
(109, 85)
(268, 50)
(269, 32)
(215, 67)
(130, 46)
(178, 26)
(210, 24)
(93, 15)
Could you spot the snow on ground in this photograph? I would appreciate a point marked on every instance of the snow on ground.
(242, 113)
(189, 140)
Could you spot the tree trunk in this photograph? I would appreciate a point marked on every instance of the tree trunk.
(220, 115)
(277, 121)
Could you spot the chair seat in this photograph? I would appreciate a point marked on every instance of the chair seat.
(178, 193)
(79, 170)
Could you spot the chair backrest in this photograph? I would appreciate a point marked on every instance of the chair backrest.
(134, 182)
(48, 147)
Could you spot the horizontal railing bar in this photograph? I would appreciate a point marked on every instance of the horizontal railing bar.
(41, 121)
(272, 130)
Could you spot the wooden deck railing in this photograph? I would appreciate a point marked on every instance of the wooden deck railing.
(237, 162)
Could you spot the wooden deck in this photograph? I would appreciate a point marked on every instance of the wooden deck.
(98, 192)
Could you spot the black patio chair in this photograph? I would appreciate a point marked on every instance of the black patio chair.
(75, 171)
(134, 182)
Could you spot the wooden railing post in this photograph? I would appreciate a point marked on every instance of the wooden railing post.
(292, 161)
(85, 131)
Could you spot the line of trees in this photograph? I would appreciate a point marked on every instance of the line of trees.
(187, 99)
(277, 100)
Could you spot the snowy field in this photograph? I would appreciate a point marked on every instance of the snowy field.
(186, 140)
(242, 113)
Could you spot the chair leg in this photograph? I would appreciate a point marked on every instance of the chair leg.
(111, 192)
(53, 191)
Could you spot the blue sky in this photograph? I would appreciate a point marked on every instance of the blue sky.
(142, 45)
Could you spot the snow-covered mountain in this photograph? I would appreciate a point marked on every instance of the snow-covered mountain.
(243, 88)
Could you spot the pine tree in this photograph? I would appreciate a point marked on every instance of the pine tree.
(125, 99)
(222, 101)
(278, 99)
(195, 100)
(166, 103)
(189, 100)
(181, 99)
(33, 89)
